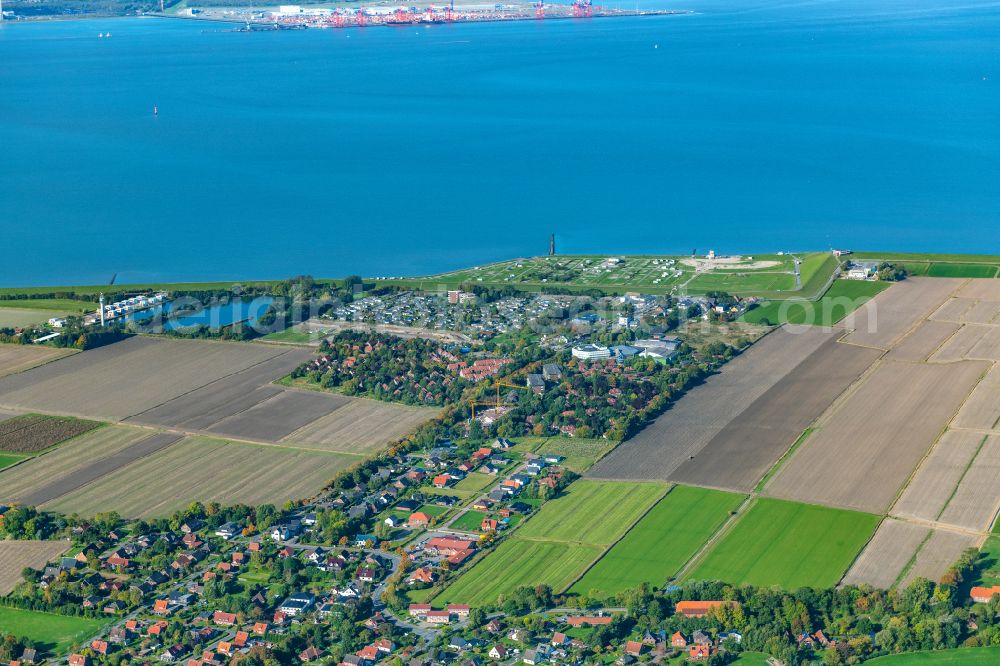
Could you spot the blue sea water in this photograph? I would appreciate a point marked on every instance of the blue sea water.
(745, 126)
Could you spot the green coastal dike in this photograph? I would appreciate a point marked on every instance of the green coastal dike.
(768, 276)
(813, 295)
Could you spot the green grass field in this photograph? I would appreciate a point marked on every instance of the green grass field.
(788, 544)
(988, 565)
(842, 298)
(579, 454)
(516, 563)
(659, 545)
(64, 305)
(468, 521)
(294, 334)
(592, 512)
(8, 459)
(17, 318)
(982, 656)
(475, 482)
(53, 633)
(433, 510)
(962, 270)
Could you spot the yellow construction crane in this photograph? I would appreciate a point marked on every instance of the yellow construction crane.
(499, 402)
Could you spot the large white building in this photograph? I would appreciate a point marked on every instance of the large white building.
(590, 352)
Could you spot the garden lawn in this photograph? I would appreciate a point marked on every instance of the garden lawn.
(433, 510)
(468, 521)
(980, 656)
(842, 298)
(517, 563)
(53, 633)
(474, 482)
(662, 542)
(788, 544)
(592, 512)
(578, 454)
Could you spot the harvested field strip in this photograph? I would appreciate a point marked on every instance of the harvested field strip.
(788, 544)
(15, 555)
(362, 426)
(62, 462)
(32, 433)
(982, 312)
(983, 290)
(101, 383)
(927, 494)
(517, 563)
(743, 451)
(690, 424)
(207, 470)
(953, 310)
(959, 345)
(923, 341)
(95, 470)
(870, 445)
(662, 542)
(279, 416)
(887, 554)
(982, 410)
(207, 405)
(887, 317)
(17, 358)
(936, 555)
(975, 501)
(572, 517)
(988, 346)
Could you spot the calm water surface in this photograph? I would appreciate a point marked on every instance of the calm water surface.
(389, 151)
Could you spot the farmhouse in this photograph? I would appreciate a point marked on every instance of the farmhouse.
(587, 621)
(699, 608)
(418, 519)
(448, 546)
(983, 595)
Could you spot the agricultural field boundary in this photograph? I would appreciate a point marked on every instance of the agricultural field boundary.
(712, 541)
(616, 541)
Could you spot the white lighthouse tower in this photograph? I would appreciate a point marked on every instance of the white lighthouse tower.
(101, 301)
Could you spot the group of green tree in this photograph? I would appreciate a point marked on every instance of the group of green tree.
(385, 367)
